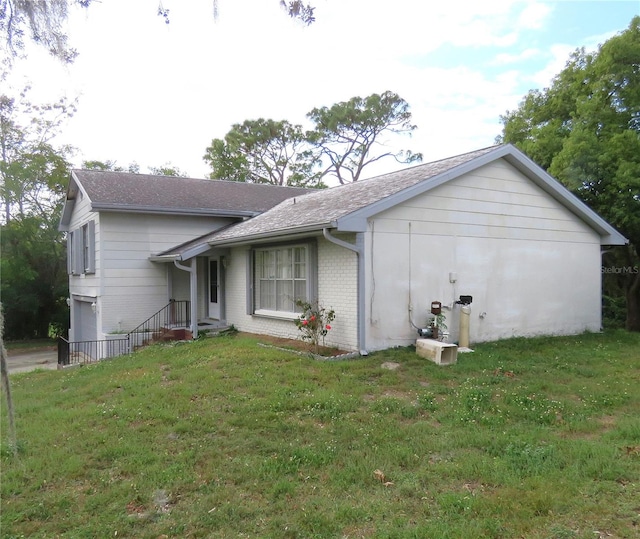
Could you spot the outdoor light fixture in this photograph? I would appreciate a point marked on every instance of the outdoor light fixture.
(94, 307)
(68, 302)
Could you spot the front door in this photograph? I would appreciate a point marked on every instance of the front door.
(214, 288)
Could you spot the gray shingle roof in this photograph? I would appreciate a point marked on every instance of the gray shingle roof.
(126, 191)
(324, 207)
(349, 204)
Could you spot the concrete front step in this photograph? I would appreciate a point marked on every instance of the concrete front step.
(211, 326)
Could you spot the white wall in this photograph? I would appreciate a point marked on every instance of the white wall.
(131, 287)
(531, 266)
(180, 285)
(85, 285)
(338, 289)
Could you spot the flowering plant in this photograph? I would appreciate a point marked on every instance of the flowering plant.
(314, 322)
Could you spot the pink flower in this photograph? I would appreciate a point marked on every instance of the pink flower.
(328, 326)
(313, 317)
(304, 322)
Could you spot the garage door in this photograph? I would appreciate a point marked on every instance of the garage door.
(85, 326)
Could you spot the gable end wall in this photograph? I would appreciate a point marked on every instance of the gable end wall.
(531, 266)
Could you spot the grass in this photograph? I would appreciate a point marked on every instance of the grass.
(221, 437)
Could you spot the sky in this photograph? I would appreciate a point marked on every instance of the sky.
(153, 93)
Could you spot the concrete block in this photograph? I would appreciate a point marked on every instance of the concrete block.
(441, 353)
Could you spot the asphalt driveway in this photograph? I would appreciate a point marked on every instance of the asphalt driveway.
(30, 360)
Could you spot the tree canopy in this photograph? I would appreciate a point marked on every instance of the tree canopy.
(342, 142)
(262, 151)
(34, 176)
(585, 130)
(346, 133)
(32, 170)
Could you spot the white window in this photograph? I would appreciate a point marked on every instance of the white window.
(281, 276)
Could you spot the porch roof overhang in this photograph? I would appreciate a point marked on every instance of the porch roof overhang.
(287, 234)
(183, 255)
(202, 246)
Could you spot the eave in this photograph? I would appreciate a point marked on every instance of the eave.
(162, 210)
(287, 234)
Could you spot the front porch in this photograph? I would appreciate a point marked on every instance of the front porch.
(199, 280)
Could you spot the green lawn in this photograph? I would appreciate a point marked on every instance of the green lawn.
(222, 437)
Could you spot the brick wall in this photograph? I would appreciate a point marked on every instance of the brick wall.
(337, 289)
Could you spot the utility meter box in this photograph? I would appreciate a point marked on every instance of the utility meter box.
(436, 307)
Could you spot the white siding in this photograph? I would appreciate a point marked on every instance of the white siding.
(180, 285)
(337, 289)
(531, 266)
(131, 287)
(85, 285)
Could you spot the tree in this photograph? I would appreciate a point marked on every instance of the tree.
(4, 373)
(110, 165)
(34, 283)
(44, 20)
(262, 151)
(299, 10)
(33, 171)
(168, 170)
(342, 144)
(345, 134)
(164, 170)
(34, 176)
(585, 130)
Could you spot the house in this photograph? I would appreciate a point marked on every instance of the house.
(116, 221)
(489, 224)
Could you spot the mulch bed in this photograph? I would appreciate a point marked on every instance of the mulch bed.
(298, 346)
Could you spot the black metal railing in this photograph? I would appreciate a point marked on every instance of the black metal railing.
(177, 314)
(83, 352)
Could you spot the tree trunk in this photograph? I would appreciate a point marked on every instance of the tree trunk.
(4, 374)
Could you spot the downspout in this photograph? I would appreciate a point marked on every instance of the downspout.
(193, 293)
(358, 248)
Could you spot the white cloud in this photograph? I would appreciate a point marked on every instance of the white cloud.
(559, 55)
(534, 15)
(153, 93)
(503, 59)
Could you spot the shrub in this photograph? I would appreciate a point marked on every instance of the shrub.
(314, 323)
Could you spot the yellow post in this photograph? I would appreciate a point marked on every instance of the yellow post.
(465, 315)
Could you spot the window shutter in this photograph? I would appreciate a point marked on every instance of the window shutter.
(77, 252)
(70, 253)
(91, 235)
